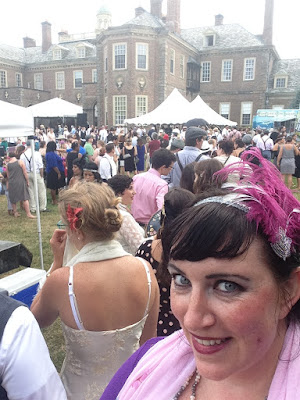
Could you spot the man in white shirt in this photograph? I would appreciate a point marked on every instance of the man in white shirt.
(26, 370)
(103, 134)
(26, 157)
(108, 167)
(257, 136)
(265, 144)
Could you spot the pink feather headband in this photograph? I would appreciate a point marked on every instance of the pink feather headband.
(262, 195)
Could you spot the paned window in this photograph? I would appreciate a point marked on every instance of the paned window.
(38, 81)
(78, 79)
(94, 76)
(181, 66)
(246, 113)
(105, 110)
(3, 78)
(60, 80)
(280, 82)
(120, 109)
(141, 56)
(141, 105)
(18, 79)
(226, 70)
(81, 52)
(172, 62)
(120, 56)
(225, 110)
(205, 71)
(249, 69)
(105, 60)
(209, 40)
(57, 54)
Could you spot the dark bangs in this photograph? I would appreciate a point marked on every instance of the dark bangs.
(208, 230)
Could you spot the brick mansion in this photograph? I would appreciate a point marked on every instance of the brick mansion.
(118, 72)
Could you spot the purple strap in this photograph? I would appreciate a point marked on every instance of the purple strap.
(117, 382)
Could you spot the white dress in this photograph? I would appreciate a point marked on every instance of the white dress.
(131, 235)
(92, 358)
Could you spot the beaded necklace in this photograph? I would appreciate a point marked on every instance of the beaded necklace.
(194, 387)
(186, 383)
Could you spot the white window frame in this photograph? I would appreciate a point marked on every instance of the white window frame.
(226, 75)
(141, 109)
(118, 120)
(144, 53)
(243, 105)
(3, 78)
(206, 43)
(57, 54)
(222, 106)
(181, 66)
(38, 83)
(81, 52)
(245, 77)
(279, 78)
(115, 45)
(19, 82)
(60, 84)
(105, 59)
(106, 110)
(202, 69)
(172, 62)
(74, 79)
(94, 75)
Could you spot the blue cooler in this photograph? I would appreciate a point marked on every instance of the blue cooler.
(23, 285)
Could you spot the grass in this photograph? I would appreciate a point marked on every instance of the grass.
(24, 230)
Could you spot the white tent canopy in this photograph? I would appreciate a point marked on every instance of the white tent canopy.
(170, 111)
(177, 110)
(15, 121)
(55, 108)
(199, 109)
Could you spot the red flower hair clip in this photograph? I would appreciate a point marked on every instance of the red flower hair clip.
(72, 216)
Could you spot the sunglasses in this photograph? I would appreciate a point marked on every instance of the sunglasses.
(61, 225)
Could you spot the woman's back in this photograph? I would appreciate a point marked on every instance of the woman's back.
(113, 315)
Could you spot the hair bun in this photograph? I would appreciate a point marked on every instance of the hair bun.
(113, 219)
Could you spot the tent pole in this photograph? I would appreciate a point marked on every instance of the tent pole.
(32, 145)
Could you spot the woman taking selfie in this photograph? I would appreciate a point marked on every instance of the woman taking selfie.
(233, 259)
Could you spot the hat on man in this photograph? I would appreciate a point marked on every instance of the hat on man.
(247, 139)
(206, 147)
(166, 136)
(177, 144)
(195, 133)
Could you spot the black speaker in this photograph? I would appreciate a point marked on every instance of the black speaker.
(82, 119)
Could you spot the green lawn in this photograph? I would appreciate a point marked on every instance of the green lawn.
(23, 230)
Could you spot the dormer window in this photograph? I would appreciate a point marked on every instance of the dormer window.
(81, 52)
(280, 81)
(209, 40)
(57, 54)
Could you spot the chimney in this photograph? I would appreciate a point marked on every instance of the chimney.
(139, 11)
(28, 42)
(219, 19)
(46, 36)
(268, 22)
(63, 36)
(173, 15)
(156, 6)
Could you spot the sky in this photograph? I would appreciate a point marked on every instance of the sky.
(23, 18)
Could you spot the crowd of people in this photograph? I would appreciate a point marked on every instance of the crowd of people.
(175, 267)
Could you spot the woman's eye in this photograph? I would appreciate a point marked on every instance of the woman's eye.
(228, 287)
(180, 280)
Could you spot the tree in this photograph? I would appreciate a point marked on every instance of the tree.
(296, 102)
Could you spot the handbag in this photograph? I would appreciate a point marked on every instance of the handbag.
(136, 159)
(125, 156)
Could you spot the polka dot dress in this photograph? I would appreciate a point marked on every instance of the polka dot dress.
(167, 323)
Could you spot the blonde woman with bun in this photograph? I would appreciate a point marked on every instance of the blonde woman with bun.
(107, 299)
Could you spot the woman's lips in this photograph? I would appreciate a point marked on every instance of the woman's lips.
(209, 345)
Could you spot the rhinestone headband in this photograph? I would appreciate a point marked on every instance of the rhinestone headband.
(91, 170)
(282, 246)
